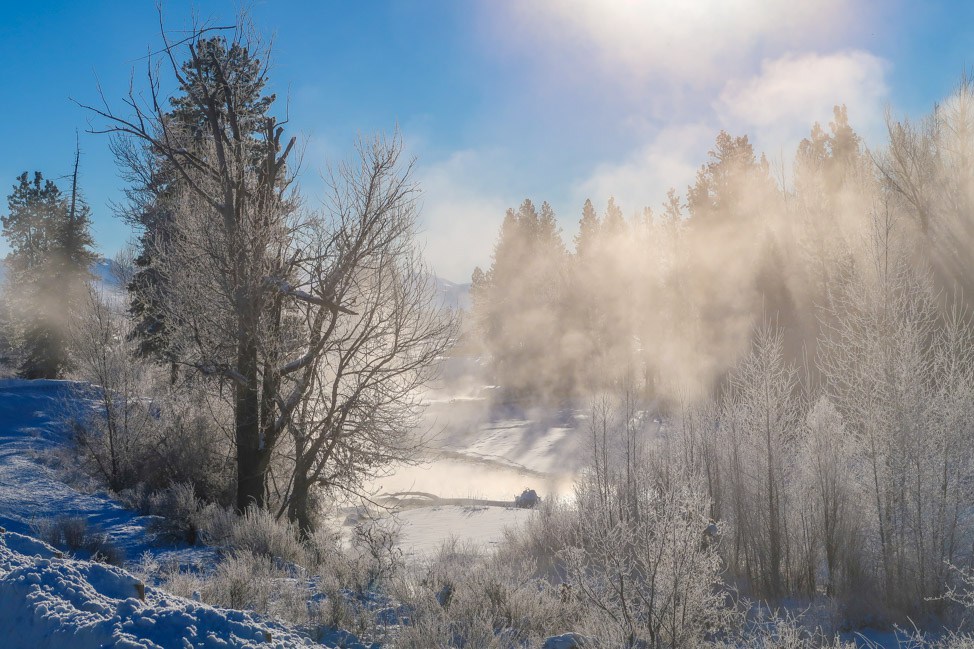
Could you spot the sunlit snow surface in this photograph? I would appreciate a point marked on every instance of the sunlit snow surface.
(50, 601)
(29, 491)
(47, 600)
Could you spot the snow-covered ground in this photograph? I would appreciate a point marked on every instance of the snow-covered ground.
(30, 491)
(425, 529)
(47, 600)
(482, 459)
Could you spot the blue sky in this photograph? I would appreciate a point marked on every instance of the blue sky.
(499, 100)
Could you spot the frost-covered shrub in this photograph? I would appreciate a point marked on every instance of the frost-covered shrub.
(245, 580)
(188, 443)
(136, 498)
(72, 533)
(131, 422)
(147, 440)
(784, 631)
(178, 513)
(542, 536)
(463, 597)
(241, 580)
(256, 531)
(374, 557)
(642, 569)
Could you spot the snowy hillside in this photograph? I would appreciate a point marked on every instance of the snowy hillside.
(30, 491)
(47, 600)
(453, 295)
(104, 272)
(102, 269)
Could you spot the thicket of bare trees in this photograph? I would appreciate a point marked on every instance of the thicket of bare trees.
(811, 343)
(854, 481)
(145, 433)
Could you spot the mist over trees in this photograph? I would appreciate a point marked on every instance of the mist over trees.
(45, 271)
(808, 343)
(670, 298)
(773, 371)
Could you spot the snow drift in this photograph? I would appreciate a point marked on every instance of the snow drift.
(51, 601)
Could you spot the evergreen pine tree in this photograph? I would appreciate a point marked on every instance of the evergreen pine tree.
(518, 303)
(732, 184)
(50, 241)
(613, 224)
(151, 200)
(588, 228)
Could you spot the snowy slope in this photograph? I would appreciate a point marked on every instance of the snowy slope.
(31, 491)
(49, 601)
(28, 490)
(101, 269)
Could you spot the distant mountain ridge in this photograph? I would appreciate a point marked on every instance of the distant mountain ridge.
(453, 295)
(102, 268)
(449, 294)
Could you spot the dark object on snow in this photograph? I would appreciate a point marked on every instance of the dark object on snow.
(566, 641)
(528, 499)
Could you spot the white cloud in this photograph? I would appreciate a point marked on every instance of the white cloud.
(779, 104)
(460, 218)
(694, 42)
(670, 159)
(685, 69)
(776, 107)
(678, 71)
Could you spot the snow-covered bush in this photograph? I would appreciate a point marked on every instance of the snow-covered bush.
(72, 533)
(462, 597)
(178, 513)
(646, 575)
(150, 437)
(256, 531)
(249, 581)
(783, 631)
(542, 536)
(133, 424)
(374, 557)
(136, 498)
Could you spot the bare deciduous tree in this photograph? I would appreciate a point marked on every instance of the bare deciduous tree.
(259, 290)
(365, 396)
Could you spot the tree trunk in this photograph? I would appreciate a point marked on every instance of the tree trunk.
(299, 507)
(250, 477)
